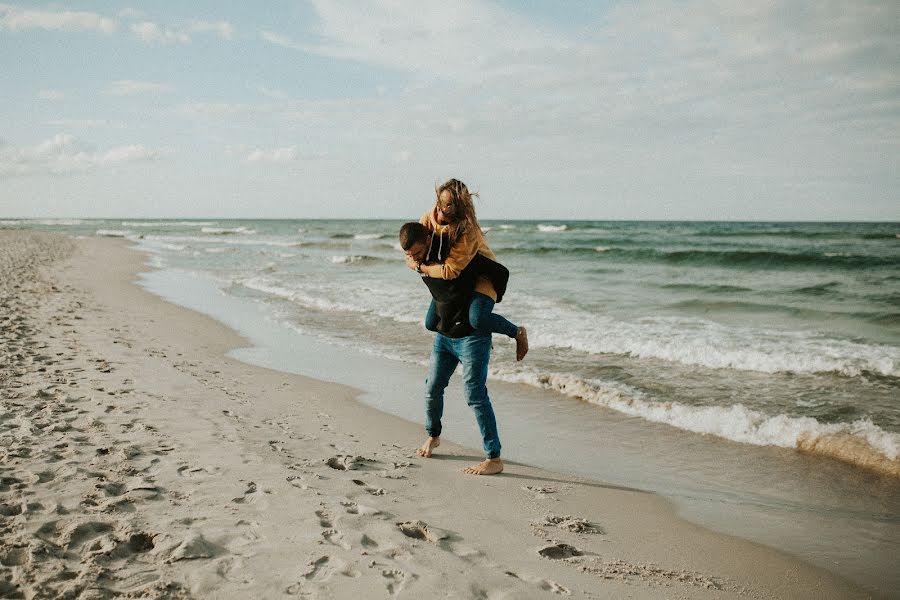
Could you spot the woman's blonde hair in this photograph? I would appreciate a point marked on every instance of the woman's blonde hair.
(463, 207)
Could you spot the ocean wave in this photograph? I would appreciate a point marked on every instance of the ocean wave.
(224, 240)
(821, 289)
(699, 342)
(368, 236)
(112, 233)
(167, 223)
(319, 298)
(733, 259)
(66, 222)
(543, 228)
(353, 259)
(801, 234)
(705, 288)
(860, 442)
(227, 230)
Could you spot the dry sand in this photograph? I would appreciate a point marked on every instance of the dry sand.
(138, 461)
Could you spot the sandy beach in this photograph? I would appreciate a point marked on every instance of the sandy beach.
(139, 461)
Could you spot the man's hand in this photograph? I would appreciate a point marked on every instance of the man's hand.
(411, 262)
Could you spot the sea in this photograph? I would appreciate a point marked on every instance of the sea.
(731, 366)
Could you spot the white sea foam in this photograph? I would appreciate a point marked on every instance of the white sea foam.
(601, 249)
(507, 226)
(346, 260)
(227, 230)
(552, 228)
(57, 221)
(734, 422)
(175, 247)
(224, 240)
(368, 236)
(112, 232)
(379, 301)
(713, 345)
(167, 223)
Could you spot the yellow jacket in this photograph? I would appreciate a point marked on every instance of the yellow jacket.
(465, 247)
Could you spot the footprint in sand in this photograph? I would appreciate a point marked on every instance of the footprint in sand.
(569, 523)
(324, 518)
(189, 471)
(319, 569)
(251, 495)
(396, 579)
(345, 462)
(297, 482)
(559, 551)
(419, 530)
(371, 490)
(335, 537)
(361, 509)
(545, 584)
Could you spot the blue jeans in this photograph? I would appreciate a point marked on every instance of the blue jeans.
(474, 352)
(481, 318)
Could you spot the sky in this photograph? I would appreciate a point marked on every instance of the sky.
(648, 109)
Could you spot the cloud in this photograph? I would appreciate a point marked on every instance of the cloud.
(15, 18)
(132, 13)
(217, 110)
(78, 123)
(152, 33)
(463, 40)
(281, 40)
(223, 29)
(50, 95)
(774, 89)
(271, 92)
(276, 155)
(129, 87)
(64, 155)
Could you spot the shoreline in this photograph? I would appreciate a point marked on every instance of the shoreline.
(287, 482)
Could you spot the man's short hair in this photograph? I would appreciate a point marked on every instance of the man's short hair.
(412, 233)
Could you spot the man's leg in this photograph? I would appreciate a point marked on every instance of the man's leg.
(440, 368)
(475, 354)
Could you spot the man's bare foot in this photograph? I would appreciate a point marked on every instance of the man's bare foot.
(427, 448)
(489, 466)
(521, 343)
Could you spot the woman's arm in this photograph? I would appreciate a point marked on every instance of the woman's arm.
(461, 254)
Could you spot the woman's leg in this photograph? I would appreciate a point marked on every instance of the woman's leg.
(484, 320)
(431, 318)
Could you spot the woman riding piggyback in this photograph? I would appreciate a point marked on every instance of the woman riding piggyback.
(452, 221)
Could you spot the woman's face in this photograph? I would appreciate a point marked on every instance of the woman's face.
(446, 209)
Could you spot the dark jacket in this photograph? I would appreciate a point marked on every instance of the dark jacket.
(452, 297)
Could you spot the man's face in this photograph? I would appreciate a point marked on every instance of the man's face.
(418, 251)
